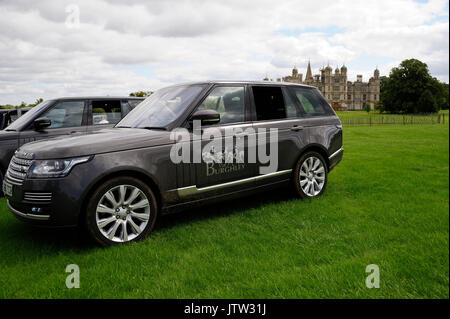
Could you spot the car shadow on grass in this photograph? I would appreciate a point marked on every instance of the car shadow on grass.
(25, 237)
(224, 208)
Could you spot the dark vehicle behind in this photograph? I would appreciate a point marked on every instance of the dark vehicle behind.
(7, 116)
(62, 117)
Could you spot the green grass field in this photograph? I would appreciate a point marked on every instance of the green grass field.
(387, 203)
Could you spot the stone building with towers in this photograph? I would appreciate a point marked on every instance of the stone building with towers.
(335, 87)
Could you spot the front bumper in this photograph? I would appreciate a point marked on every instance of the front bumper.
(54, 202)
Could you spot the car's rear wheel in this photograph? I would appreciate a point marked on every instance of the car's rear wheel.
(122, 210)
(310, 175)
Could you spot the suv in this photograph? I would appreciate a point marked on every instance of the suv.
(61, 117)
(7, 116)
(116, 182)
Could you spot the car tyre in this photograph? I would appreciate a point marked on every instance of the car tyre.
(310, 175)
(121, 210)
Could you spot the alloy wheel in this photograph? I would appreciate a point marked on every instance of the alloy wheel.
(312, 176)
(122, 213)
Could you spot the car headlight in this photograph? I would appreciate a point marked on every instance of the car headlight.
(55, 168)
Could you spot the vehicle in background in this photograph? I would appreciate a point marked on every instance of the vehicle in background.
(7, 116)
(62, 117)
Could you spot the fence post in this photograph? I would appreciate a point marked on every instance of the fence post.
(439, 118)
(404, 120)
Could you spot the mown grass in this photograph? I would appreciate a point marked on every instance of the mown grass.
(387, 203)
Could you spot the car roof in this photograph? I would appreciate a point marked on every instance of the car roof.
(269, 83)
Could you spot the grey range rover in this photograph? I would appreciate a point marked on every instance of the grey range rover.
(115, 182)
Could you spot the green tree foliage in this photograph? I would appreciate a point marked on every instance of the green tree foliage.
(367, 107)
(411, 89)
(427, 103)
(23, 104)
(141, 93)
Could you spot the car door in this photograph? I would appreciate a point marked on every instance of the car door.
(321, 124)
(218, 176)
(278, 117)
(68, 118)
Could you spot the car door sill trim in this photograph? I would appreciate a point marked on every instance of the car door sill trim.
(193, 190)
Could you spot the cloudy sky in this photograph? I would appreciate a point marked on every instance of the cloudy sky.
(111, 47)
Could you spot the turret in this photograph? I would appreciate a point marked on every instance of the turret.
(376, 74)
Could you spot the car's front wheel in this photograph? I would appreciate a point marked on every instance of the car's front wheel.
(310, 175)
(122, 210)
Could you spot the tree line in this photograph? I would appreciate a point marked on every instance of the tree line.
(21, 105)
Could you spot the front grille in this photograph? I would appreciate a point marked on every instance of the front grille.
(38, 197)
(17, 170)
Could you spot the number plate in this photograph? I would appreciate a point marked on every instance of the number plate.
(7, 189)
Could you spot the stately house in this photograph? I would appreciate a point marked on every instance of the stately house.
(340, 93)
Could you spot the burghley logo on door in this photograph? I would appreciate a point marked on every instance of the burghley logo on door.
(226, 150)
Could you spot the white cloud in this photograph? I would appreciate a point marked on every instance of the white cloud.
(196, 40)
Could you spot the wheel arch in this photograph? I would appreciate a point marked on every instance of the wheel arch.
(316, 148)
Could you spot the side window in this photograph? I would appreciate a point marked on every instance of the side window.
(106, 112)
(269, 103)
(66, 114)
(311, 102)
(228, 101)
(291, 108)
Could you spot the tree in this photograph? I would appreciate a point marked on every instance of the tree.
(406, 85)
(427, 103)
(141, 93)
(367, 107)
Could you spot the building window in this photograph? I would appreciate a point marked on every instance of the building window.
(349, 97)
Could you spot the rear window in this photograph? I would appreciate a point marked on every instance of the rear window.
(312, 102)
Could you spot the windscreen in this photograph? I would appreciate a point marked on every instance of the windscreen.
(162, 107)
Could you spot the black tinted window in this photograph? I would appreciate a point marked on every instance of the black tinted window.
(311, 101)
(269, 103)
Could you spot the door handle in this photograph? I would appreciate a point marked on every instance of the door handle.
(296, 128)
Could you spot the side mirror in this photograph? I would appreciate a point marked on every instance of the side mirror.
(207, 117)
(41, 123)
